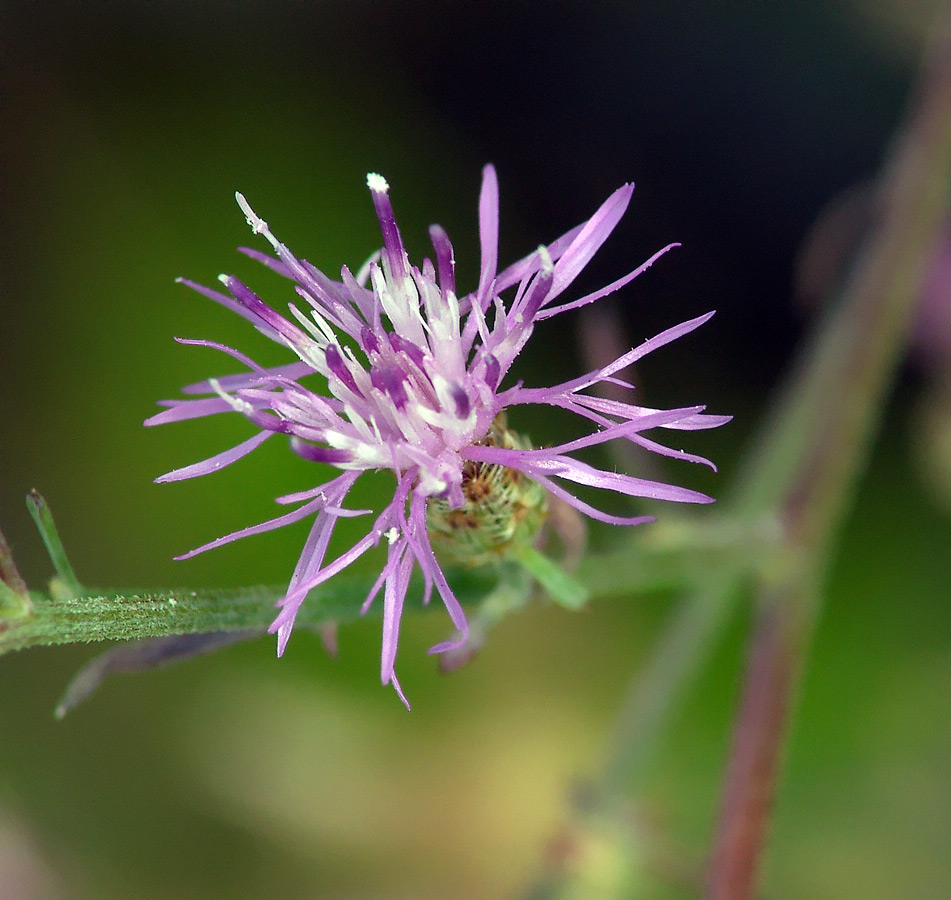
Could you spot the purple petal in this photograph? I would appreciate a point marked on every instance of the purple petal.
(544, 395)
(453, 607)
(311, 560)
(339, 368)
(269, 421)
(395, 510)
(594, 233)
(180, 410)
(587, 509)
(284, 635)
(259, 376)
(419, 540)
(309, 494)
(262, 314)
(660, 449)
(229, 303)
(312, 453)
(699, 423)
(610, 289)
(391, 562)
(275, 265)
(219, 461)
(537, 296)
(369, 342)
(488, 229)
(637, 438)
(530, 264)
(656, 342)
(461, 401)
(582, 473)
(533, 462)
(393, 251)
(360, 296)
(291, 603)
(445, 258)
(401, 344)
(224, 348)
(657, 419)
(391, 380)
(332, 300)
(394, 596)
(399, 690)
(319, 290)
(278, 522)
(627, 410)
(493, 371)
(315, 547)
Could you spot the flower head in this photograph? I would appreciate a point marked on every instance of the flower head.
(414, 378)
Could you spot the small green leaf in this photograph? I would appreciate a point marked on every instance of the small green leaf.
(66, 584)
(562, 587)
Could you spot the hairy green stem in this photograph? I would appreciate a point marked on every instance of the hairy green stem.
(72, 614)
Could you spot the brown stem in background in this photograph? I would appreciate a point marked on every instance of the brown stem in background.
(791, 495)
(9, 574)
(858, 353)
(753, 770)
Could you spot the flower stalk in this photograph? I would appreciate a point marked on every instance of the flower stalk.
(830, 416)
(780, 523)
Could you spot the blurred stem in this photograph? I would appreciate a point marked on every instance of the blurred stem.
(809, 461)
(14, 594)
(603, 844)
(653, 694)
(795, 488)
(839, 384)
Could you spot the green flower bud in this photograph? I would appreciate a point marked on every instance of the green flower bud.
(504, 509)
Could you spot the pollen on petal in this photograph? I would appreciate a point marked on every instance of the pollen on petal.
(258, 225)
(377, 183)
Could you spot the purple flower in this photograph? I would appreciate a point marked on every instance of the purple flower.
(414, 376)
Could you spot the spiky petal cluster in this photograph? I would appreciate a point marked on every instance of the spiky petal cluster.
(413, 384)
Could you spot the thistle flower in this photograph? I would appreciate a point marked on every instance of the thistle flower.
(413, 376)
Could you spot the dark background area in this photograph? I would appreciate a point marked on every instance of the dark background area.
(126, 128)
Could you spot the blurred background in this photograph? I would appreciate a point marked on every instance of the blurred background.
(127, 127)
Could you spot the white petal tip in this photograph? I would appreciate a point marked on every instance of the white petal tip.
(258, 225)
(547, 264)
(377, 183)
(245, 206)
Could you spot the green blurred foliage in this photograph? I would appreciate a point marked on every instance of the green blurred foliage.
(126, 130)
